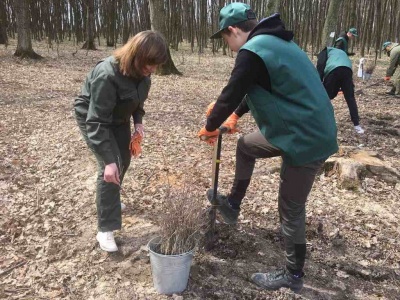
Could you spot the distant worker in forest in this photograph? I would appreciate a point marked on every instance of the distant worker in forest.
(112, 93)
(277, 82)
(393, 51)
(342, 42)
(336, 73)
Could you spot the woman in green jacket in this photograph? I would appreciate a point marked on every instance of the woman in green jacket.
(113, 92)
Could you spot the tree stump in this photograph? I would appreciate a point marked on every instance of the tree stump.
(352, 165)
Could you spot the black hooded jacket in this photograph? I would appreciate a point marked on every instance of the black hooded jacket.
(249, 69)
(340, 44)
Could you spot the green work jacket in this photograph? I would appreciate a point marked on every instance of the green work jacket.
(297, 115)
(109, 99)
(394, 59)
(336, 58)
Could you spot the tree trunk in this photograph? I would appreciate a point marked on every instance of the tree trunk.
(110, 20)
(3, 24)
(330, 22)
(89, 43)
(157, 20)
(24, 45)
(125, 26)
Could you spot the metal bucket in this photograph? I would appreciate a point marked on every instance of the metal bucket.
(170, 272)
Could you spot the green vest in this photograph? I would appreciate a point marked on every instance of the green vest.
(336, 58)
(297, 115)
(345, 43)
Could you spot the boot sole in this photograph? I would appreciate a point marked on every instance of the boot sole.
(107, 250)
(268, 288)
(260, 285)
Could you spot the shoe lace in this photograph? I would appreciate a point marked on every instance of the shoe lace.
(275, 275)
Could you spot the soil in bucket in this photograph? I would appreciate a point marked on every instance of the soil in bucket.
(170, 272)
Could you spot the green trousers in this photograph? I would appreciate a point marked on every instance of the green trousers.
(108, 199)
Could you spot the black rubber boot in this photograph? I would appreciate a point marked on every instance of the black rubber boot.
(229, 214)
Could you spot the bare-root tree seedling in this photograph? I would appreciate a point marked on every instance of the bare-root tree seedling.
(181, 221)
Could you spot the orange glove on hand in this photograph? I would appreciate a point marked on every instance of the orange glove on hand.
(386, 78)
(134, 145)
(210, 108)
(231, 123)
(208, 136)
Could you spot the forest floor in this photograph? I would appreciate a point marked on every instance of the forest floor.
(47, 190)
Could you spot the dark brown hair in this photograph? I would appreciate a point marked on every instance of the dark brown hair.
(145, 48)
(245, 26)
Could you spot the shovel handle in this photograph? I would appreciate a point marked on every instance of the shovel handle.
(221, 129)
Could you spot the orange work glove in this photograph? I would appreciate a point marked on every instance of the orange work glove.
(231, 123)
(134, 145)
(210, 108)
(386, 78)
(208, 136)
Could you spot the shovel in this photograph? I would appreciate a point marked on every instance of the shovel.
(212, 211)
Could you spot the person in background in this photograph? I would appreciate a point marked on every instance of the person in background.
(393, 51)
(114, 92)
(334, 68)
(280, 86)
(342, 42)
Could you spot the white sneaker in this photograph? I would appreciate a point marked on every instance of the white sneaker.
(123, 206)
(358, 129)
(106, 241)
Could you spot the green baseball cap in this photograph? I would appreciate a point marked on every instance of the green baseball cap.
(385, 44)
(232, 14)
(353, 31)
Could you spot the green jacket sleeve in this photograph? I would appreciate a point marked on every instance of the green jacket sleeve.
(394, 61)
(138, 114)
(143, 90)
(99, 117)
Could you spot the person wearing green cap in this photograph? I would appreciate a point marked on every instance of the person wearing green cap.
(275, 80)
(334, 68)
(393, 51)
(342, 42)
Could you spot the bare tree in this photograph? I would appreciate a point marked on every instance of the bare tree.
(193, 21)
(24, 45)
(110, 16)
(157, 19)
(89, 43)
(330, 21)
(3, 24)
(272, 7)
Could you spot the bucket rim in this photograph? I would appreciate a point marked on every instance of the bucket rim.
(157, 238)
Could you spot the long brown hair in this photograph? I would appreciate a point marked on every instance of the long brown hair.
(145, 48)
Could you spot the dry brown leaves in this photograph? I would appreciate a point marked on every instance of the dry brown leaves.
(47, 189)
